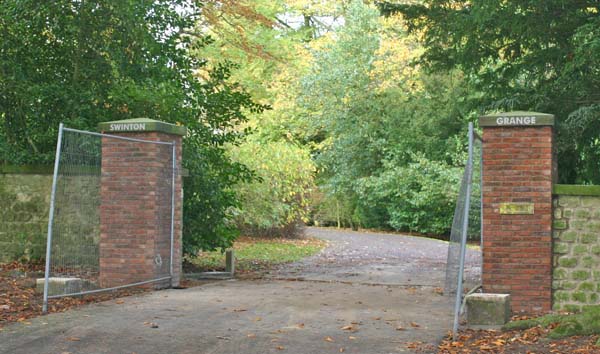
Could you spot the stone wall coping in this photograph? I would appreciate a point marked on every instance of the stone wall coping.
(26, 169)
(141, 125)
(576, 189)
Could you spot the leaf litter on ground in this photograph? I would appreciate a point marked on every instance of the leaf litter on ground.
(19, 300)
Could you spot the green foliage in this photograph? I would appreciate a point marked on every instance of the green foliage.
(80, 62)
(209, 198)
(83, 62)
(328, 209)
(342, 105)
(587, 322)
(258, 253)
(528, 55)
(391, 153)
(543, 321)
(417, 197)
(277, 200)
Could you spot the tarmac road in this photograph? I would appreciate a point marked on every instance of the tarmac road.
(340, 302)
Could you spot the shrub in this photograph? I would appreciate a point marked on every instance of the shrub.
(276, 202)
(420, 196)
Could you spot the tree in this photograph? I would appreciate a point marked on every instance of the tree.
(389, 135)
(531, 55)
(82, 62)
(268, 41)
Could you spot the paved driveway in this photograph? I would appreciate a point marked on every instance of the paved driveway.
(322, 312)
(379, 258)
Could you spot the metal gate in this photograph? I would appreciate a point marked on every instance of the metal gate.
(466, 224)
(85, 253)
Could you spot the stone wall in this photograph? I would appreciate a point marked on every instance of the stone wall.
(576, 250)
(24, 200)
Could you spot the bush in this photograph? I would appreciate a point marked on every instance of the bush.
(420, 196)
(275, 203)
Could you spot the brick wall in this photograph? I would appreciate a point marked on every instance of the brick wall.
(576, 252)
(517, 249)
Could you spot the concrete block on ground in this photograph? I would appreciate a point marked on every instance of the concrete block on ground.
(210, 276)
(488, 309)
(59, 285)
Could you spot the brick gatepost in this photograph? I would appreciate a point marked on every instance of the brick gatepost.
(518, 165)
(135, 210)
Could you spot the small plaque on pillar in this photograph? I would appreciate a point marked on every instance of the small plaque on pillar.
(516, 208)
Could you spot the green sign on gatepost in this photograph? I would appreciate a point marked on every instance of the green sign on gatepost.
(141, 125)
(516, 119)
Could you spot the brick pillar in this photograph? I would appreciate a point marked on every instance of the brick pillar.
(135, 210)
(518, 164)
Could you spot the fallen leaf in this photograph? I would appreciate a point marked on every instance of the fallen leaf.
(413, 324)
(280, 347)
(400, 328)
(258, 319)
(251, 335)
(300, 325)
(413, 345)
(351, 337)
(119, 302)
(239, 310)
(342, 350)
(348, 328)
(328, 339)
(73, 339)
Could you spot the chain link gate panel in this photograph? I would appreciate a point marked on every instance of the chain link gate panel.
(466, 225)
(100, 178)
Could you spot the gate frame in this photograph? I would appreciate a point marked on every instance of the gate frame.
(465, 227)
(61, 129)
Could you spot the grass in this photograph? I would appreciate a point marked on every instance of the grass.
(586, 322)
(258, 253)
